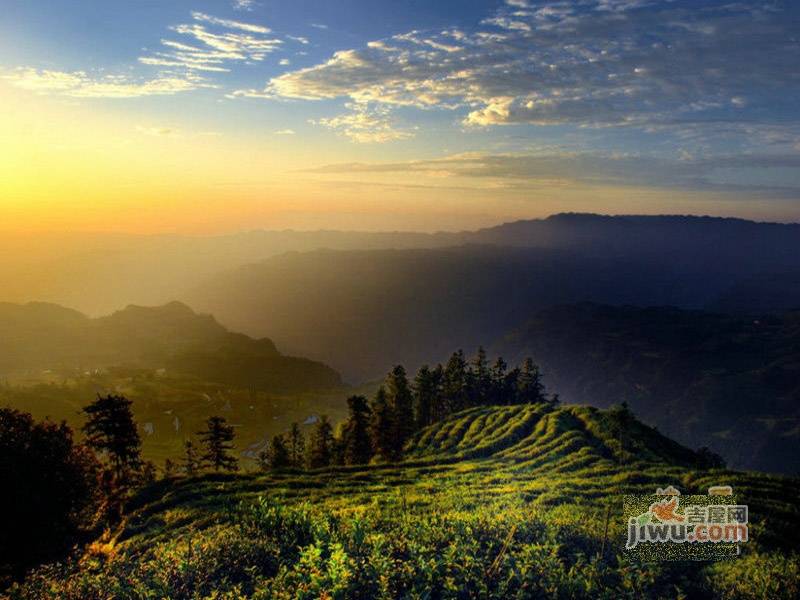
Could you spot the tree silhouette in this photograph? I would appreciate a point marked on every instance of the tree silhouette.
(278, 453)
(381, 425)
(320, 449)
(425, 396)
(297, 445)
(480, 382)
(111, 431)
(192, 461)
(50, 490)
(218, 442)
(401, 403)
(455, 383)
(531, 389)
(357, 445)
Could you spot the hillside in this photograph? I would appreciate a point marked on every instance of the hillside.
(507, 502)
(40, 337)
(413, 305)
(705, 379)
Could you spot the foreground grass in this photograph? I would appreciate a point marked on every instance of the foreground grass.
(492, 503)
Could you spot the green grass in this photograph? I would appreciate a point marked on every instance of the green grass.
(505, 502)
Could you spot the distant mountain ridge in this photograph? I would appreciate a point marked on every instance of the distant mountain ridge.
(413, 305)
(97, 273)
(39, 336)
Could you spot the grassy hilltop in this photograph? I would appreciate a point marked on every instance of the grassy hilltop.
(492, 502)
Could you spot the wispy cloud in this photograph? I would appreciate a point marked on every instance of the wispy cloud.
(596, 168)
(228, 23)
(246, 5)
(366, 125)
(80, 84)
(596, 63)
(285, 132)
(215, 44)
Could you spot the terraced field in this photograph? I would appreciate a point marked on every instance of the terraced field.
(500, 502)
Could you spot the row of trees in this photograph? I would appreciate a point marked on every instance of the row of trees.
(379, 429)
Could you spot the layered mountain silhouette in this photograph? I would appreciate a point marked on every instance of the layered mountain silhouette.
(411, 305)
(98, 273)
(38, 336)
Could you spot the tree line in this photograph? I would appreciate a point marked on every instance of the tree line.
(62, 487)
(378, 429)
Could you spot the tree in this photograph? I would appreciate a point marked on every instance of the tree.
(530, 387)
(297, 445)
(50, 490)
(169, 468)
(357, 446)
(480, 379)
(191, 462)
(320, 449)
(218, 442)
(499, 385)
(278, 453)
(425, 396)
(381, 425)
(438, 407)
(455, 383)
(401, 403)
(111, 431)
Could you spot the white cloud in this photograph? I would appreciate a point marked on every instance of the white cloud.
(246, 5)
(199, 16)
(365, 125)
(595, 63)
(212, 50)
(80, 84)
(284, 62)
(285, 132)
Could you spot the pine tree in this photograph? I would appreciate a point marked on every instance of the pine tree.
(169, 468)
(111, 431)
(357, 447)
(320, 448)
(401, 403)
(531, 389)
(499, 386)
(297, 446)
(278, 453)
(381, 425)
(512, 386)
(218, 442)
(438, 405)
(455, 383)
(480, 382)
(191, 462)
(425, 392)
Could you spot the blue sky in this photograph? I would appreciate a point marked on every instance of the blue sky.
(693, 97)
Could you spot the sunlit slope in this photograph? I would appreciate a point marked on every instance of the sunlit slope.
(497, 502)
(534, 454)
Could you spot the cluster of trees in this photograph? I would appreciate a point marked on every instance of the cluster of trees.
(379, 429)
(61, 489)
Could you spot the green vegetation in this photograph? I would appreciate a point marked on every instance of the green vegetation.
(490, 502)
(169, 408)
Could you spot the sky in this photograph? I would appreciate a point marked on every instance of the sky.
(210, 116)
